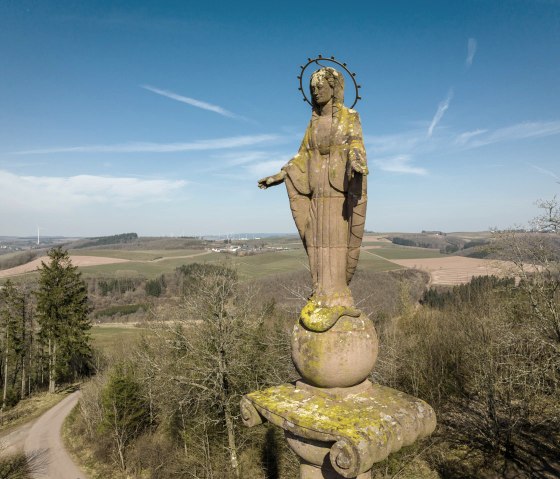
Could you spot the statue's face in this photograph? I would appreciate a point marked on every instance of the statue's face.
(321, 91)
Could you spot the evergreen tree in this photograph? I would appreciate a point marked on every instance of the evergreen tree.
(15, 336)
(62, 313)
(125, 412)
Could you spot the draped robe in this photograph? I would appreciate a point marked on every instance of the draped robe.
(328, 201)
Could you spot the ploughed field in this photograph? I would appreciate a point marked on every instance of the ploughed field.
(451, 270)
(80, 261)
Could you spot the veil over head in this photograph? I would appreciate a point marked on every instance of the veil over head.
(335, 80)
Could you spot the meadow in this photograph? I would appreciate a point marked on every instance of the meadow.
(109, 338)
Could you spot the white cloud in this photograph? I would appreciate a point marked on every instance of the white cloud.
(142, 147)
(243, 157)
(520, 131)
(442, 108)
(471, 52)
(53, 193)
(191, 101)
(388, 144)
(464, 138)
(399, 164)
(544, 171)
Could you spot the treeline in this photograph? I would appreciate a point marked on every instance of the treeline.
(442, 242)
(108, 240)
(16, 259)
(469, 293)
(128, 295)
(44, 330)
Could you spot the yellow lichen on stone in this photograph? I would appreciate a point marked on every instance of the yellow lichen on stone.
(371, 415)
(320, 318)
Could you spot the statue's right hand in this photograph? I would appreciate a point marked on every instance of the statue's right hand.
(264, 183)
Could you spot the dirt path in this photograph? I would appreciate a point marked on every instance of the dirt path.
(163, 258)
(13, 442)
(44, 435)
(373, 254)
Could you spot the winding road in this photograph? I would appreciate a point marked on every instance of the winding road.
(43, 435)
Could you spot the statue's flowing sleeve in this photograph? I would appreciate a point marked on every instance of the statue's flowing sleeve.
(357, 196)
(297, 184)
(357, 150)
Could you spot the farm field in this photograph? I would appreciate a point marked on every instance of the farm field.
(149, 269)
(80, 261)
(450, 270)
(378, 254)
(151, 264)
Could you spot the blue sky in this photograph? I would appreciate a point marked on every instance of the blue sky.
(160, 117)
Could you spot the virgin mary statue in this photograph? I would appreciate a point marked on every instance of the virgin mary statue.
(326, 183)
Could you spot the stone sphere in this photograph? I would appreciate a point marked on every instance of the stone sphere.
(342, 356)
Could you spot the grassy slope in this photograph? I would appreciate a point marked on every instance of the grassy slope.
(138, 255)
(109, 338)
(149, 269)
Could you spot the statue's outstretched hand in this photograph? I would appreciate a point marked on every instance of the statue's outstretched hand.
(273, 180)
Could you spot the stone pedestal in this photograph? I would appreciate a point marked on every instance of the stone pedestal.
(310, 471)
(340, 432)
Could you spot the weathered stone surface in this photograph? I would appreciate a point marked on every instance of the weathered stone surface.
(326, 184)
(356, 429)
(342, 356)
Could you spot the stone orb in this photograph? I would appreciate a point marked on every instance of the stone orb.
(342, 356)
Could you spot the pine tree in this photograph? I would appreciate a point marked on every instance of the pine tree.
(14, 338)
(125, 412)
(62, 313)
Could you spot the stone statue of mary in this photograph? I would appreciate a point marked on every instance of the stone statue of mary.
(326, 183)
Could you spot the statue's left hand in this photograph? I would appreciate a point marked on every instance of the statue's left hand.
(358, 166)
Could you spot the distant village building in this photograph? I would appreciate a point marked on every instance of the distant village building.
(435, 233)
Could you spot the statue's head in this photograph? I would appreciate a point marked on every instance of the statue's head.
(325, 84)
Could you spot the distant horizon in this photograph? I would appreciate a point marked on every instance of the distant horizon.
(235, 236)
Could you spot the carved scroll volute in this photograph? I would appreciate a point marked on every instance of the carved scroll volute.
(345, 458)
(249, 414)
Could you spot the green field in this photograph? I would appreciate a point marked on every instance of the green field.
(249, 267)
(149, 269)
(113, 338)
(293, 260)
(365, 244)
(135, 255)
